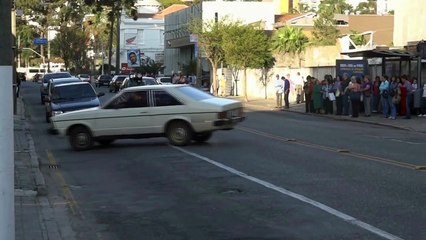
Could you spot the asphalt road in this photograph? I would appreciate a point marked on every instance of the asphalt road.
(278, 175)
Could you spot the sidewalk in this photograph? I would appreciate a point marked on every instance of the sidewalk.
(415, 124)
(36, 218)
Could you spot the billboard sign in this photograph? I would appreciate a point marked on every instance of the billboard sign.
(356, 68)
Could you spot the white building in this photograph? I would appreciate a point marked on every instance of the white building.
(181, 49)
(385, 6)
(409, 21)
(146, 35)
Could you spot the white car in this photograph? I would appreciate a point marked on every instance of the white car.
(179, 112)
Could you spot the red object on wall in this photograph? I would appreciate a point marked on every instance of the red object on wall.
(125, 69)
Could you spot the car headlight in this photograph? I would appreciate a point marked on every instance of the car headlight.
(54, 113)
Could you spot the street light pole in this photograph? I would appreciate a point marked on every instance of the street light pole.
(7, 206)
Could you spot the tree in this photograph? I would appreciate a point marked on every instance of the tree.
(369, 7)
(289, 40)
(113, 10)
(266, 72)
(245, 46)
(70, 45)
(337, 6)
(210, 36)
(325, 33)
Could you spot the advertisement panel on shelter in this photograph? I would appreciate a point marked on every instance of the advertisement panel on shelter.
(356, 68)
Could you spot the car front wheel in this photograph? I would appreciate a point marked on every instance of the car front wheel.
(202, 137)
(179, 133)
(81, 138)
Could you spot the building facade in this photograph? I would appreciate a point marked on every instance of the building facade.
(409, 20)
(181, 46)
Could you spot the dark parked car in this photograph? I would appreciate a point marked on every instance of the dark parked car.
(114, 85)
(56, 81)
(70, 97)
(46, 79)
(103, 80)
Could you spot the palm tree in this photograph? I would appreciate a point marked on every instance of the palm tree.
(289, 40)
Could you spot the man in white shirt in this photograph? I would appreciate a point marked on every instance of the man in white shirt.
(279, 89)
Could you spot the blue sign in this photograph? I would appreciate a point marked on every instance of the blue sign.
(357, 68)
(40, 41)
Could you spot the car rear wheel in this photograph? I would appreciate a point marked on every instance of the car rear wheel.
(202, 137)
(179, 133)
(81, 138)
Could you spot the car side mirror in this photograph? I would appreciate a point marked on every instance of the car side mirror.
(101, 94)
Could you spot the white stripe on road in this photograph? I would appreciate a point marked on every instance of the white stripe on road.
(314, 203)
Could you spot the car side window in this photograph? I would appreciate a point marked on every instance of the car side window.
(130, 100)
(163, 98)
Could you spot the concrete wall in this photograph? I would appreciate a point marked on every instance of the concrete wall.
(409, 22)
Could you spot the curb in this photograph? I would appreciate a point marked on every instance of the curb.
(266, 107)
(40, 183)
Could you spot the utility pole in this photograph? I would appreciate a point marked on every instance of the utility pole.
(117, 48)
(7, 206)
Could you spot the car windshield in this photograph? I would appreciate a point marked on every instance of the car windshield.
(84, 75)
(166, 80)
(49, 76)
(74, 91)
(120, 79)
(194, 93)
(149, 81)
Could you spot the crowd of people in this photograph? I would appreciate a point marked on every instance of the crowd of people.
(351, 95)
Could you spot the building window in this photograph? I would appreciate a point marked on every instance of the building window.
(162, 37)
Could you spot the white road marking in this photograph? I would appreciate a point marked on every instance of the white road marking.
(302, 198)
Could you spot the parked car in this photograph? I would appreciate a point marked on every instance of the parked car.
(46, 78)
(84, 77)
(133, 82)
(72, 96)
(103, 80)
(55, 81)
(164, 80)
(179, 112)
(114, 85)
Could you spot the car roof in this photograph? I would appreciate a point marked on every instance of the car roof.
(73, 83)
(58, 80)
(144, 87)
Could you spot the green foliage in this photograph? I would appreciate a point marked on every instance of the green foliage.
(70, 45)
(168, 3)
(369, 7)
(151, 68)
(289, 40)
(245, 46)
(357, 38)
(210, 36)
(335, 6)
(325, 33)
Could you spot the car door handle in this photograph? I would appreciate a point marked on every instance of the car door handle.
(143, 112)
